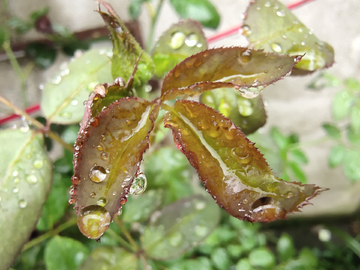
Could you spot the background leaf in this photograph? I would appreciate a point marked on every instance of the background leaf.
(63, 96)
(298, 172)
(200, 10)
(341, 105)
(352, 165)
(63, 253)
(332, 131)
(285, 247)
(271, 26)
(180, 226)
(25, 180)
(336, 155)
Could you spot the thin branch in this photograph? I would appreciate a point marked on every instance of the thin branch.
(152, 27)
(126, 233)
(119, 239)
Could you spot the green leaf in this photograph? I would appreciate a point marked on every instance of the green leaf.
(262, 257)
(34, 16)
(221, 259)
(244, 264)
(20, 26)
(336, 155)
(233, 171)
(135, 8)
(285, 247)
(280, 139)
(181, 225)
(355, 118)
(341, 105)
(25, 181)
(139, 208)
(352, 165)
(308, 258)
(323, 80)
(247, 70)
(299, 156)
(181, 40)
(352, 84)
(42, 54)
(199, 10)
(248, 114)
(64, 165)
(126, 50)
(56, 204)
(110, 258)
(298, 172)
(64, 94)
(69, 134)
(352, 136)
(107, 156)
(332, 131)
(271, 26)
(63, 253)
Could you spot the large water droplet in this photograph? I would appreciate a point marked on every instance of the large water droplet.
(191, 40)
(175, 239)
(245, 57)
(119, 211)
(38, 164)
(276, 47)
(102, 201)
(97, 174)
(31, 179)
(22, 204)
(93, 221)
(177, 40)
(139, 184)
(251, 92)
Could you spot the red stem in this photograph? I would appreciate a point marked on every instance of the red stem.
(224, 34)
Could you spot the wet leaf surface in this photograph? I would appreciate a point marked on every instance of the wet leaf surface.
(64, 94)
(181, 40)
(233, 171)
(25, 181)
(180, 226)
(107, 156)
(108, 258)
(126, 50)
(249, 71)
(248, 114)
(271, 26)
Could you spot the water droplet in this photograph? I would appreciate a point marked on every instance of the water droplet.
(119, 30)
(246, 29)
(267, 4)
(71, 200)
(102, 201)
(74, 102)
(72, 191)
(24, 129)
(92, 85)
(199, 205)
(16, 180)
(302, 43)
(245, 201)
(56, 79)
(99, 147)
(75, 180)
(97, 174)
(15, 190)
(245, 107)
(201, 230)
(191, 40)
(139, 184)
(94, 122)
(38, 164)
(289, 195)
(22, 204)
(41, 86)
(123, 201)
(93, 221)
(119, 81)
(245, 57)
(31, 179)
(276, 47)
(177, 40)
(280, 13)
(148, 88)
(301, 30)
(175, 239)
(250, 92)
(104, 156)
(64, 72)
(92, 195)
(15, 173)
(258, 8)
(119, 211)
(241, 156)
(66, 115)
(284, 36)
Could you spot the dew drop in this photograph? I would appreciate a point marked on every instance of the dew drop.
(22, 204)
(92, 195)
(246, 29)
(31, 179)
(139, 184)
(301, 30)
(56, 79)
(241, 157)
(15, 190)
(92, 85)
(201, 230)
(280, 13)
(74, 102)
(72, 191)
(16, 180)
(93, 221)
(267, 4)
(97, 174)
(66, 115)
(15, 173)
(191, 40)
(289, 195)
(177, 40)
(199, 205)
(75, 180)
(302, 43)
(276, 47)
(71, 200)
(119, 211)
(245, 57)
(38, 164)
(64, 72)
(24, 129)
(119, 81)
(102, 201)
(245, 107)
(284, 36)
(175, 239)
(119, 30)
(123, 201)
(104, 155)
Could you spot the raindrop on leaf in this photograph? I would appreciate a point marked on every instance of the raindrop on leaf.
(93, 221)
(97, 174)
(139, 184)
(177, 40)
(22, 204)
(191, 40)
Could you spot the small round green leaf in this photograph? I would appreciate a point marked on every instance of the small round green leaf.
(332, 131)
(244, 264)
(221, 259)
(262, 257)
(341, 105)
(285, 247)
(352, 165)
(298, 172)
(336, 155)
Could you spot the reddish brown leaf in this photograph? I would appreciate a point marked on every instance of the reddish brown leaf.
(247, 70)
(233, 171)
(108, 152)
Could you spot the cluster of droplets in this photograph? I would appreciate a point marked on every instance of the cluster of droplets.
(178, 39)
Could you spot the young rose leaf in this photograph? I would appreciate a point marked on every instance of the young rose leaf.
(126, 50)
(341, 105)
(248, 114)
(181, 40)
(233, 171)
(180, 225)
(25, 181)
(249, 71)
(271, 26)
(200, 10)
(64, 94)
(337, 155)
(108, 152)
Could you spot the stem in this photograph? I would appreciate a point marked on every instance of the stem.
(37, 124)
(126, 233)
(119, 239)
(144, 262)
(20, 74)
(152, 27)
(53, 232)
(309, 143)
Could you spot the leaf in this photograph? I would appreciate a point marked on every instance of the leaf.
(199, 10)
(341, 105)
(180, 226)
(56, 204)
(248, 114)
(181, 40)
(352, 165)
(353, 137)
(25, 181)
(280, 139)
(126, 50)
(20, 26)
(337, 155)
(298, 172)
(135, 8)
(63, 96)
(108, 152)
(110, 258)
(221, 259)
(285, 247)
(332, 131)
(42, 54)
(244, 264)
(355, 117)
(63, 253)
(140, 208)
(271, 26)
(262, 257)
(233, 171)
(299, 156)
(247, 70)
